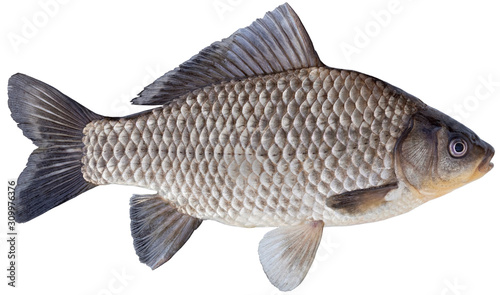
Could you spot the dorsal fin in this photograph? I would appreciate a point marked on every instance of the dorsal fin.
(278, 42)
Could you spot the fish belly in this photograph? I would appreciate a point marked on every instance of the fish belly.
(264, 151)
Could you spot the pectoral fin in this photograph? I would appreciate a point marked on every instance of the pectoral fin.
(158, 229)
(360, 200)
(286, 253)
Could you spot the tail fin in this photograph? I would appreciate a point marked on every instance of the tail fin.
(54, 122)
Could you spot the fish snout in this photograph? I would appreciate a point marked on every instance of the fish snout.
(486, 165)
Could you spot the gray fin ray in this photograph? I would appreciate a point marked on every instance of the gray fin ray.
(360, 200)
(275, 43)
(287, 253)
(158, 229)
(54, 122)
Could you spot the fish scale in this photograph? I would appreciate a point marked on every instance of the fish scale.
(258, 152)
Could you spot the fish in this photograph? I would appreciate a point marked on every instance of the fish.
(253, 131)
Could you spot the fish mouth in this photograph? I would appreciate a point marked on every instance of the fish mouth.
(486, 165)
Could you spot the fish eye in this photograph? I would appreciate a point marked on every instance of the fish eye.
(457, 147)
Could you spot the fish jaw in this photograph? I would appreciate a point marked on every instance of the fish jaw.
(486, 165)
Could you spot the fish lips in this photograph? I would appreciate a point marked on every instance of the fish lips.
(486, 165)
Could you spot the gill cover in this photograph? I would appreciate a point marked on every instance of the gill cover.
(416, 150)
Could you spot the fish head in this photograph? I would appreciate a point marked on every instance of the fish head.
(436, 154)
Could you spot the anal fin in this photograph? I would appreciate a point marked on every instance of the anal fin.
(158, 229)
(286, 253)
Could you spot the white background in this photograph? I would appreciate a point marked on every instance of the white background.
(101, 53)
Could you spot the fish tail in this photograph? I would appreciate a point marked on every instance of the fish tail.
(54, 122)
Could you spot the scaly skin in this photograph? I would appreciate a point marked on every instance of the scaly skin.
(264, 151)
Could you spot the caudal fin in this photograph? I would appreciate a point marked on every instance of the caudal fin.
(54, 122)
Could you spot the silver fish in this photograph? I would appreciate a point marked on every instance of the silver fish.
(253, 131)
